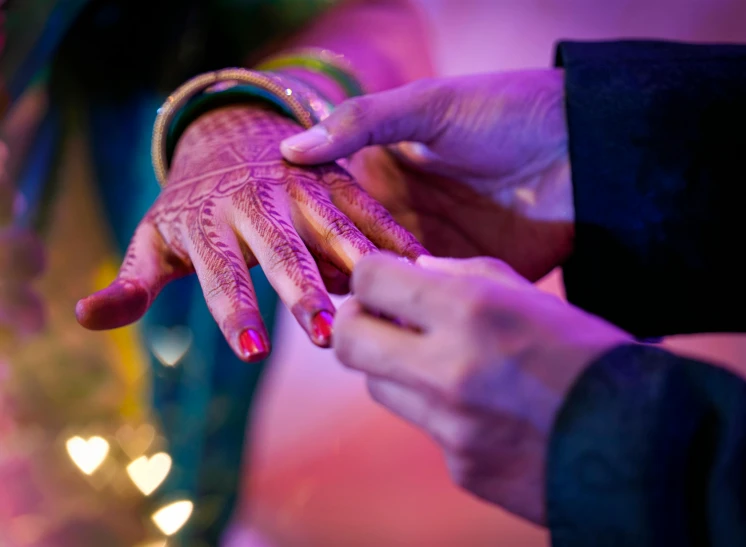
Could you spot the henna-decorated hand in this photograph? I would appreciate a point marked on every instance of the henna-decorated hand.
(232, 202)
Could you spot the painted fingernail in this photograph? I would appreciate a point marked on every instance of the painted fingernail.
(252, 344)
(308, 140)
(322, 325)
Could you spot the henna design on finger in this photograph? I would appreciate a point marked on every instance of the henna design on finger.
(227, 270)
(223, 269)
(228, 170)
(336, 229)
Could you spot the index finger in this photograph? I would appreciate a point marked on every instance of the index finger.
(395, 287)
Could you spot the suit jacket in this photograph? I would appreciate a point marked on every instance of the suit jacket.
(650, 448)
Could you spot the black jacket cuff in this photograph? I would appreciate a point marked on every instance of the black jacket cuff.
(658, 152)
(649, 449)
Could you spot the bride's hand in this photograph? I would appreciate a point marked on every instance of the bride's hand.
(232, 202)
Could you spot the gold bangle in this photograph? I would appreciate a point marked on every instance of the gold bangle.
(306, 106)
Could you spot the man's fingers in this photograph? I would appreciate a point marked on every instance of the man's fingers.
(377, 347)
(407, 403)
(490, 268)
(224, 277)
(148, 265)
(408, 113)
(392, 286)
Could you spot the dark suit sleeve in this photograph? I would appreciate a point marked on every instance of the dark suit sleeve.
(657, 136)
(649, 449)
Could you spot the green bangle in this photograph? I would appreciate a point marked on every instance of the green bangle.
(322, 61)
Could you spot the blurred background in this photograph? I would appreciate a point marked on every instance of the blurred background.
(326, 467)
(330, 468)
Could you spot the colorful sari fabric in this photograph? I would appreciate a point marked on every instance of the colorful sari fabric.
(171, 385)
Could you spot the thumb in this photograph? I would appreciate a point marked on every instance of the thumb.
(490, 268)
(408, 113)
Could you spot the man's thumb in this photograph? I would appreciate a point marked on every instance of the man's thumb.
(381, 118)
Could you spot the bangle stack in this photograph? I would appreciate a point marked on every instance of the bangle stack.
(211, 90)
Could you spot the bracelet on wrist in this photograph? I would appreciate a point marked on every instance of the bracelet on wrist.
(198, 96)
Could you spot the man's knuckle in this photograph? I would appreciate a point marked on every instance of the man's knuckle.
(475, 303)
(355, 112)
(458, 382)
(487, 264)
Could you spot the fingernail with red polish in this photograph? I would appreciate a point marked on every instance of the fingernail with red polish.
(252, 344)
(322, 324)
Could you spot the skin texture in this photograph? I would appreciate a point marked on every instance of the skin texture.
(479, 359)
(478, 165)
(232, 202)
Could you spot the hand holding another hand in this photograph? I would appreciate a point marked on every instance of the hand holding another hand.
(482, 165)
(484, 371)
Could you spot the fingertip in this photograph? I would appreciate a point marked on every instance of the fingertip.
(315, 314)
(368, 267)
(119, 304)
(308, 146)
(430, 261)
(322, 328)
(253, 346)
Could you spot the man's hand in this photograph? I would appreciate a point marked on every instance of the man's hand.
(479, 359)
(480, 163)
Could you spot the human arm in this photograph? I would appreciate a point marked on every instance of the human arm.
(649, 449)
(548, 411)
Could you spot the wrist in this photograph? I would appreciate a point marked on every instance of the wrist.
(222, 88)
